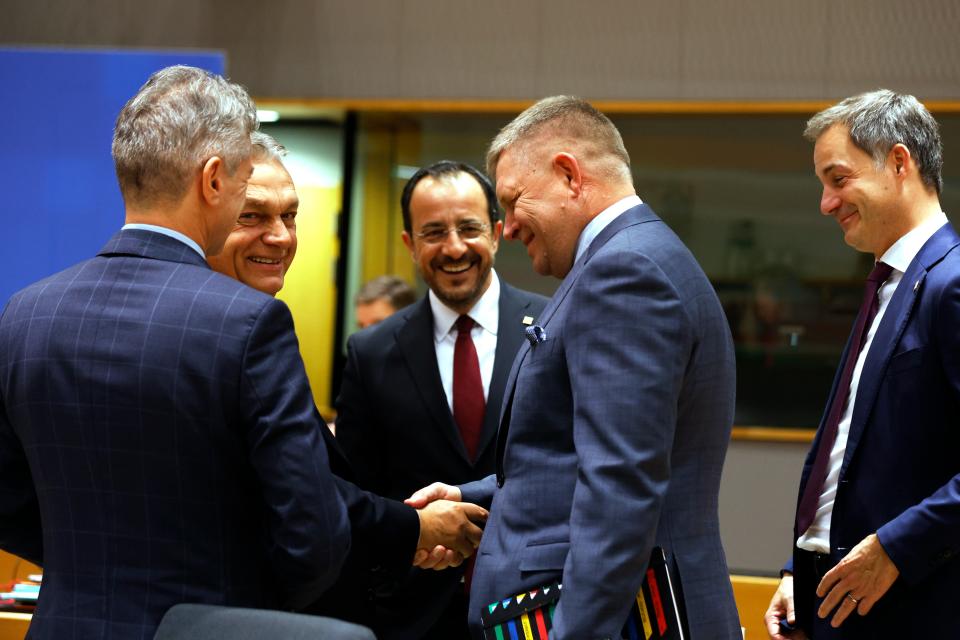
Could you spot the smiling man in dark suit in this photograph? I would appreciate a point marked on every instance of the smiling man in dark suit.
(422, 390)
(156, 424)
(384, 533)
(877, 531)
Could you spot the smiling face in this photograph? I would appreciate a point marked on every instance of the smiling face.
(534, 190)
(455, 266)
(263, 242)
(864, 200)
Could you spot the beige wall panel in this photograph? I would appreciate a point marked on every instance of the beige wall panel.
(752, 50)
(905, 46)
(464, 49)
(456, 49)
(610, 49)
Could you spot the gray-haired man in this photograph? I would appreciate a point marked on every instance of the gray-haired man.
(876, 533)
(158, 438)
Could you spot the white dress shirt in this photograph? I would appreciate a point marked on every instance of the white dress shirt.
(601, 220)
(486, 316)
(899, 256)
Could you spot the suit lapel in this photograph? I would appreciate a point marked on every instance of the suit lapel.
(891, 328)
(415, 339)
(633, 216)
(511, 308)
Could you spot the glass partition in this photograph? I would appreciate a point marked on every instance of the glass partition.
(741, 193)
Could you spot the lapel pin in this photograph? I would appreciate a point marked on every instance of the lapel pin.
(916, 286)
(527, 320)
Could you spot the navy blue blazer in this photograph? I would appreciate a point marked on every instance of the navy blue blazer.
(156, 419)
(612, 440)
(900, 476)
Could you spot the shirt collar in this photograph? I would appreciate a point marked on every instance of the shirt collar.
(904, 250)
(485, 312)
(601, 220)
(170, 233)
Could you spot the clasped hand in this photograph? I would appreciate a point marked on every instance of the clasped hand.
(449, 531)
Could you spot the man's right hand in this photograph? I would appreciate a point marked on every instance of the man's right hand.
(448, 532)
(435, 491)
(781, 608)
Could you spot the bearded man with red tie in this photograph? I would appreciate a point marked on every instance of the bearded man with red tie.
(878, 519)
(421, 391)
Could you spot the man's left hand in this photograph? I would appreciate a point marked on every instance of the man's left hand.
(857, 582)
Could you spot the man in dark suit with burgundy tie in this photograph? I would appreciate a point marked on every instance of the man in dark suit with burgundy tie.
(876, 533)
(421, 391)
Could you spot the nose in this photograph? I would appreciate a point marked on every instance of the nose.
(277, 234)
(829, 201)
(453, 245)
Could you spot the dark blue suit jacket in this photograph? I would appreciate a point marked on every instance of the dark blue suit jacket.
(397, 430)
(900, 476)
(155, 417)
(613, 438)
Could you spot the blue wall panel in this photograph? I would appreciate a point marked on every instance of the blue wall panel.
(59, 199)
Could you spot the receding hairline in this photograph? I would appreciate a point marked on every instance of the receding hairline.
(573, 124)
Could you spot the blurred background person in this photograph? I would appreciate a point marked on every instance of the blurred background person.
(380, 298)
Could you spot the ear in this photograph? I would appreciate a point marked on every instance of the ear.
(567, 166)
(408, 243)
(496, 233)
(211, 180)
(901, 160)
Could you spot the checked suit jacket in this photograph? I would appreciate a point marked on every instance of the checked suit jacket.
(612, 440)
(397, 430)
(158, 435)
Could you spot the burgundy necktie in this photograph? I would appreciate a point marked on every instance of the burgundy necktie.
(807, 510)
(468, 402)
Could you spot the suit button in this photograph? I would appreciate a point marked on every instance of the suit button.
(500, 480)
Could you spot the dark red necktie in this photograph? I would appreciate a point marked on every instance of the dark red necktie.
(807, 510)
(468, 402)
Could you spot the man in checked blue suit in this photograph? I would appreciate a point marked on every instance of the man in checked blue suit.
(618, 410)
(158, 439)
(877, 533)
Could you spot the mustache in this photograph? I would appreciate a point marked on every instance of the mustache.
(442, 261)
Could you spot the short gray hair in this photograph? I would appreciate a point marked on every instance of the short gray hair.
(266, 148)
(879, 119)
(179, 119)
(566, 116)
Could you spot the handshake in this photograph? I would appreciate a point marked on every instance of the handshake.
(450, 530)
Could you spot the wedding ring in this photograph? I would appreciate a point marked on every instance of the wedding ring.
(855, 600)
